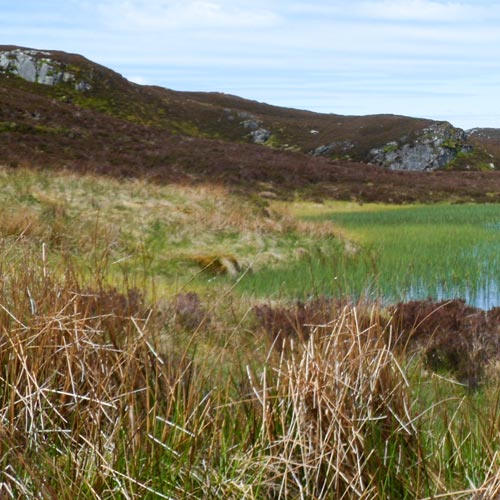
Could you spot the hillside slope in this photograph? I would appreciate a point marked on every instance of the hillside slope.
(487, 139)
(63, 111)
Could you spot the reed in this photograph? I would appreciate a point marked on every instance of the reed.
(396, 253)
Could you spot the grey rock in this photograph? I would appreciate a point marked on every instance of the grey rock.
(258, 134)
(82, 86)
(337, 147)
(35, 66)
(26, 68)
(325, 150)
(251, 124)
(261, 135)
(44, 74)
(433, 149)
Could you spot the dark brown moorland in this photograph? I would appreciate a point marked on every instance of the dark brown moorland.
(122, 129)
(452, 336)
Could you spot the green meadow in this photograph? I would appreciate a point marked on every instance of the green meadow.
(394, 253)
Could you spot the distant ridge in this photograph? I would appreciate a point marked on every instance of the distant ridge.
(61, 110)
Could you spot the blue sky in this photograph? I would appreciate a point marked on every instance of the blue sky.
(429, 58)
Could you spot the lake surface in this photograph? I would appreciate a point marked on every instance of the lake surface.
(440, 251)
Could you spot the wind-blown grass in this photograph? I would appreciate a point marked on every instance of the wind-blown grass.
(146, 232)
(94, 404)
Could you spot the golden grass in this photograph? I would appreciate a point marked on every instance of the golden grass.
(147, 229)
(322, 408)
(95, 402)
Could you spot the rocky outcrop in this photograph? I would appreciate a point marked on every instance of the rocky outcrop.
(258, 134)
(36, 66)
(434, 148)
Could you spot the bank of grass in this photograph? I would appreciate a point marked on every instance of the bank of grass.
(147, 232)
(396, 252)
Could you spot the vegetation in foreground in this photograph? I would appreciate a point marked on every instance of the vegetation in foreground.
(116, 384)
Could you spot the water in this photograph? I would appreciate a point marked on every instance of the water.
(439, 252)
(485, 296)
(406, 253)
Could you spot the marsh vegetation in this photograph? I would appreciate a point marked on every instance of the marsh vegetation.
(396, 253)
(131, 368)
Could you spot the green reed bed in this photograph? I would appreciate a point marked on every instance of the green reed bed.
(397, 253)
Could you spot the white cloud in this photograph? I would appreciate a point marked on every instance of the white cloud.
(157, 15)
(421, 10)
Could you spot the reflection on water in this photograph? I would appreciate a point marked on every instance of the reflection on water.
(484, 295)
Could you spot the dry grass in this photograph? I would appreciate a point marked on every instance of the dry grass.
(490, 490)
(108, 394)
(79, 378)
(328, 409)
(89, 401)
(95, 404)
(146, 229)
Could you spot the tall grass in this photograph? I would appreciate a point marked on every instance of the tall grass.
(94, 404)
(108, 391)
(337, 417)
(146, 231)
(410, 252)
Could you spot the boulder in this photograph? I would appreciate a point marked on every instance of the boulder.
(261, 135)
(258, 134)
(251, 124)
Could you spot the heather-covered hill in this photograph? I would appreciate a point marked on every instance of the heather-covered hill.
(488, 139)
(60, 110)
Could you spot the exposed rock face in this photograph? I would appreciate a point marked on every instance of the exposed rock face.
(258, 133)
(434, 148)
(36, 66)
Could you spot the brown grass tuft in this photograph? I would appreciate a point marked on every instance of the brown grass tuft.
(80, 378)
(217, 264)
(329, 409)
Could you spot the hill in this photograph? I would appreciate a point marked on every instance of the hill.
(60, 110)
(487, 139)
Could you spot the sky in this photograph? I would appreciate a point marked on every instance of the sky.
(436, 59)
